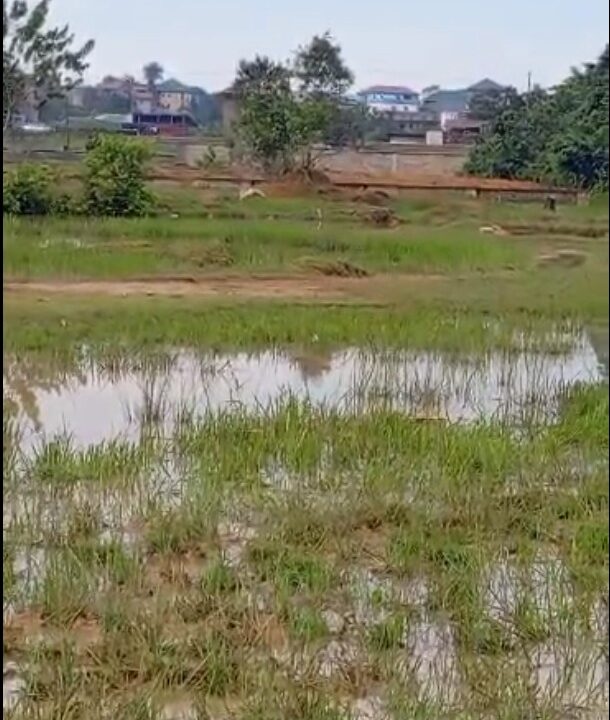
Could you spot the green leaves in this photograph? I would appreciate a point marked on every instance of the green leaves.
(279, 126)
(114, 179)
(320, 68)
(560, 136)
(38, 63)
(27, 190)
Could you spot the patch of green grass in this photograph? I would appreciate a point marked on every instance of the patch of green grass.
(290, 570)
(116, 327)
(117, 249)
(306, 624)
(387, 634)
(425, 512)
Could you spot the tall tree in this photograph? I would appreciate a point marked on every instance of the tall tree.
(153, 72)
(280, 126)
(320, 68)
(268, 113)
(39, 63)
(323, 79)
(260, 75)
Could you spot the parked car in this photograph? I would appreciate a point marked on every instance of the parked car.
(35, 128)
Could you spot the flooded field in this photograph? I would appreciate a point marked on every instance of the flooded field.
(99, 401)
(354, 533)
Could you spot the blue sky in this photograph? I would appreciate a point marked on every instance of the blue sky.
(447, 42)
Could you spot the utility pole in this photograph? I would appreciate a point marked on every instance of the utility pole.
(529, 82)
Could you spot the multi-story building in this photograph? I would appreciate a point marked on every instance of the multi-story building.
(389, 99)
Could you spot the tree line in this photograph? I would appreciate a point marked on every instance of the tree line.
(559, 136)
(288, 110)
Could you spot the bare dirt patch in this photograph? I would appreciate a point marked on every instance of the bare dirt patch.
(330, 284)
(298, 286)
(566, 258)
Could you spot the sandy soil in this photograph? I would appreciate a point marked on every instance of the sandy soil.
(309, 286)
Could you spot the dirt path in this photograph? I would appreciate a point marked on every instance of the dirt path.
(289, 287)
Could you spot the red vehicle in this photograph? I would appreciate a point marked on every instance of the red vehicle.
(161, 123)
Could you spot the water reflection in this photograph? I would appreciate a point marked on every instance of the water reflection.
(99, 401)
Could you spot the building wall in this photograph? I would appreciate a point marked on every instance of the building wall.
(175, 101)
(448, 116)
(393, 107)
(229, 112)
(387, 102)
(422, 160)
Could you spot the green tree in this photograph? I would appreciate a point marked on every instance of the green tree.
(320, 69)
(269, 126)
(281, 126)
(153, 72)
(115, 176)
(323, 79)
(559, 137)
(490, 104)
(39, 63)
(261, 75)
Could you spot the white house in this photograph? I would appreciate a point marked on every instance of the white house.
(390, 98)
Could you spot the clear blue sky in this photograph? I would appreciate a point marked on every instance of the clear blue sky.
(411, 42)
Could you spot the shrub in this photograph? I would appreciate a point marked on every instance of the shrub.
(27, 191)
(114, 176)
(65, 204)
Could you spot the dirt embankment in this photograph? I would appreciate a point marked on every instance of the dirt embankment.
(294, 185)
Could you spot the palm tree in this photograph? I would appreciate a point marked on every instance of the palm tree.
(153, 72)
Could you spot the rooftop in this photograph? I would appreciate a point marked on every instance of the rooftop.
(447, 101)
(173, 85)
(390, 89)
(485, 85)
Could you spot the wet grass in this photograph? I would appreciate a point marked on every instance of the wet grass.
(149, 324)
(299, 560)
(313, 562)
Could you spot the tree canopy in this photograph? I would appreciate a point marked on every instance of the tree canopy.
(559, 136)
(261, 75)
(320, 69)
(153, 72)
(286, 109)
(39, 63)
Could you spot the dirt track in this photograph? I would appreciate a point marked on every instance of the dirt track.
(289, 287)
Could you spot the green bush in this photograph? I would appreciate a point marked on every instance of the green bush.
(114, 176)
(65, 204)
(26, 190)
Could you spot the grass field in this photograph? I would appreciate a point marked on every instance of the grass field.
(387, 498)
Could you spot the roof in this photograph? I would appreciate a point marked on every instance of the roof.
(173, 85)
(393, 89)
(447, 101)
(485, 85)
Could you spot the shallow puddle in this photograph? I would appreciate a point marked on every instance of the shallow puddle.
(13, 686)
(96, 403)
